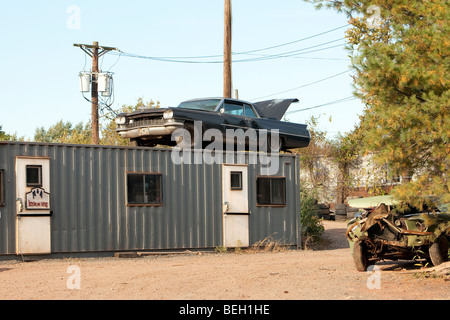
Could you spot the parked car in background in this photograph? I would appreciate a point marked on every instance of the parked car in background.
(382, 232)
(149, 127)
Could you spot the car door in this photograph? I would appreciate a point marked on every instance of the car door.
(233, 117)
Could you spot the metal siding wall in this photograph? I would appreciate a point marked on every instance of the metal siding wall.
(88, 199)
(278, 223)
(8, 215)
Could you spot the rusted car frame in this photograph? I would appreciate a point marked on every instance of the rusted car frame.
(382, 233)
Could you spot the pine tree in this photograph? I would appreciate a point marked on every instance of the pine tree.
(400, 52)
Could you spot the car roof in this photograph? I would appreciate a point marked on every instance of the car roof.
(275, 108)
(218, 98)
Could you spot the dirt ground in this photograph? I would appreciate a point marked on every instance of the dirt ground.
(324, 272)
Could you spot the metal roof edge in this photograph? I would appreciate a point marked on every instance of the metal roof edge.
(101, 146)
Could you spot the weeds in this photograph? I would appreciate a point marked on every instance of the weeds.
(221, 249)
(269, 244)
(312, 227)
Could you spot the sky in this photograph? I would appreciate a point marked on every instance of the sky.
(40, 85)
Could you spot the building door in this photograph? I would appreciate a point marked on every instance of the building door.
(33, 205)
(235, 206)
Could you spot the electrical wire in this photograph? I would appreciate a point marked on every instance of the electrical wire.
(323, 105)
(291, 54)
(288, 43)
(302, 86)
(300, 57)
(268, 57)
(192, 59)
(255, 50)
(120, 54)
(105, 103)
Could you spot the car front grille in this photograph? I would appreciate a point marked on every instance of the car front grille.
(145, 122)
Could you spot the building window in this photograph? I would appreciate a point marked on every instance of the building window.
(144, 188)
(34, 176)
(236, 180)
(271, 191)
(2, 187)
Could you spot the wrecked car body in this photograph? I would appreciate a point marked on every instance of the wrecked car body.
(382, 232)
(149, 127)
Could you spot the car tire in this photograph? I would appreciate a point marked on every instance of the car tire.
(135, 142)
(439, 251)
(269, 144)
(182, 139)
(360, 257)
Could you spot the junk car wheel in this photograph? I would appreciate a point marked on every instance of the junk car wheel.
(135, 142)
(188, 133)
(439, 251)
(183, 141)
(360, 256)
(269, 144)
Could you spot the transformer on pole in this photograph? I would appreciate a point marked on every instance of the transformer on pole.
(92, 80)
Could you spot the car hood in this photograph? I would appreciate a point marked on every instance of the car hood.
(372, 201)
(275, 108)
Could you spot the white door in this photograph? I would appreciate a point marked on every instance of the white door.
(235, 206)
(33, 205)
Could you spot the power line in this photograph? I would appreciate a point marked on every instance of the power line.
(288, 54)
(300, 57)
(302, 86)
(288, 43)
(190, 59)
(323, 105)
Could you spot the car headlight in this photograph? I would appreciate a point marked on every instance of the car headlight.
(121, 120)
(168, 114)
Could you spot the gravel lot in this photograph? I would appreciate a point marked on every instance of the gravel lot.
(324, 272)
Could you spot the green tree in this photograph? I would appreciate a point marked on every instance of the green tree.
(400, 53)
(9, 137)
(312, 227)
(64, 132)
(311, 157)
(345, 151)
(3, 135)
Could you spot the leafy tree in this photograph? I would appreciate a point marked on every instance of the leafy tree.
(345, 151)
(64, 132)
(9, 137)
(400, 53)
(3, 135)
(310, 157)
(312, 227)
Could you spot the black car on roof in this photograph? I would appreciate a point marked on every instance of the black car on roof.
(148, 127)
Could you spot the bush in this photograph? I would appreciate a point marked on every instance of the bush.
(311, 225)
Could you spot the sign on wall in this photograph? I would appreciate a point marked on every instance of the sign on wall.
(37, 199)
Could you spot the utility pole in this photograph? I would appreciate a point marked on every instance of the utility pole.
(95, 51)
(227, 51)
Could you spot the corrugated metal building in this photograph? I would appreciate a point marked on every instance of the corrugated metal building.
(61, 198)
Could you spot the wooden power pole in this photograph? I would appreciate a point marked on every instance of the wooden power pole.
(95, 51)
(227, 86)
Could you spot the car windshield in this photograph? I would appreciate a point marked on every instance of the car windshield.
(208, 105)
